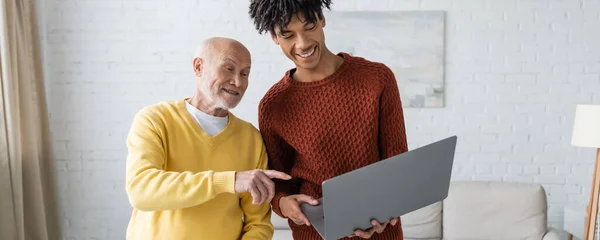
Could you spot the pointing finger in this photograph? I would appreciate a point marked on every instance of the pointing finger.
(277, 174)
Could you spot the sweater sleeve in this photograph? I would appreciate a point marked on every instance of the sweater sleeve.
(257, 218)
(151, 188)
(392, 131)
(280, 154)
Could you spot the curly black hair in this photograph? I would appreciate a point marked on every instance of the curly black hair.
(267, 14)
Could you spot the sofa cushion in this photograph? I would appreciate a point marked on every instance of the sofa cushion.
(494, 210)
(425, 223)
(282, 234)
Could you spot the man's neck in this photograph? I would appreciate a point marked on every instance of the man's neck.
(200, 102)
(328, 64)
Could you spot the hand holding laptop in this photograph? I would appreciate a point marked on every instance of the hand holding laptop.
(409, 181)
(377, 228)
(290, 207)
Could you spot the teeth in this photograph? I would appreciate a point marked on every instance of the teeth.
(308, 53)
(231, 92)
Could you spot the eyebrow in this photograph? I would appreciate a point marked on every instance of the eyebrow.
(309, 23)
(282, 30)
(228, 59)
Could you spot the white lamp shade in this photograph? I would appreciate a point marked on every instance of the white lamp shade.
(586, 129)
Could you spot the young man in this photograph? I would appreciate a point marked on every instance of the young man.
(331, 114)
(194, 170)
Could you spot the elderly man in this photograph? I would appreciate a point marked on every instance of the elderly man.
(194, 170)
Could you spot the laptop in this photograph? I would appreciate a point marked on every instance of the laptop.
(384, 190)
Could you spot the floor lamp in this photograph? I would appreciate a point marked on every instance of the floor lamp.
(586, 133)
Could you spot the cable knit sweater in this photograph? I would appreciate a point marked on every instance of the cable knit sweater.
(318, 130)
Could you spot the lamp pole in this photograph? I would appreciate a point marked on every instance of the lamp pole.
(593, 205)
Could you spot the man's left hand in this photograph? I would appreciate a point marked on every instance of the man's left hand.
(377, 228)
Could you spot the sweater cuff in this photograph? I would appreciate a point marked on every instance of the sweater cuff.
(224, 182)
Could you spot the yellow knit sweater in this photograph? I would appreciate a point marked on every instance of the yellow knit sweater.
(180, 180)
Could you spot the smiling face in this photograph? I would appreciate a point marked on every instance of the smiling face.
(302, 42)
(222, 77)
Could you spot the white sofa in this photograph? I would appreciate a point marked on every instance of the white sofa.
(474, 210)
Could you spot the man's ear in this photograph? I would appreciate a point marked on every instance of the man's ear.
(323, 21)
(274, 38)
(197, 63)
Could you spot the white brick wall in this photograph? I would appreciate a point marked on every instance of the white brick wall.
(514, 71)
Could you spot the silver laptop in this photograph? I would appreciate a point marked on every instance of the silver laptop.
(383, 190)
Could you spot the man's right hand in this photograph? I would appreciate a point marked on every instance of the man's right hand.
(290, 207)
(258, 183)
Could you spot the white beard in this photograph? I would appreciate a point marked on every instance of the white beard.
(217, 102)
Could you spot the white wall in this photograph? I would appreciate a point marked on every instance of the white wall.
(514, 71)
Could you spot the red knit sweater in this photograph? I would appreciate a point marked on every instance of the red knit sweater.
(318, 130)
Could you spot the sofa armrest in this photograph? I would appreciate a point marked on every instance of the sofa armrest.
(551, 234)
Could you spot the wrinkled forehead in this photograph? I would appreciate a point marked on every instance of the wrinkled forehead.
(238, 56)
